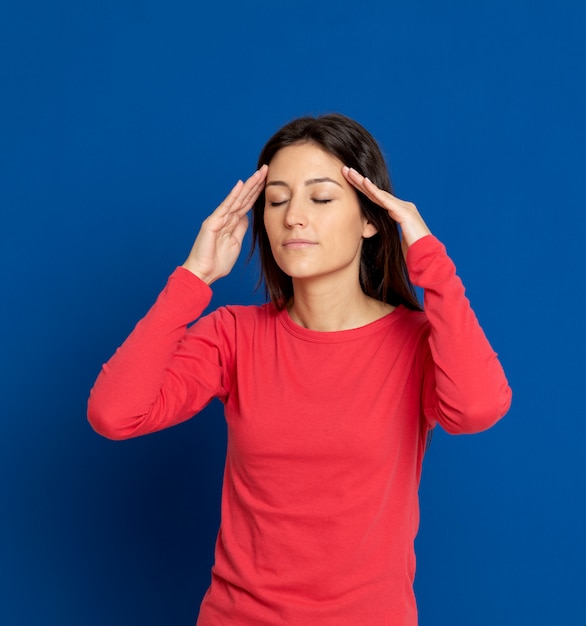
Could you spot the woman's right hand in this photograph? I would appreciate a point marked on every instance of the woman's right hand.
(219, 240)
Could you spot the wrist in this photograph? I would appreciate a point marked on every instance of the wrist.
(204, 276)
(414, 233)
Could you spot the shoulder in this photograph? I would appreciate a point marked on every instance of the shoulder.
(249, 310)
(411, 331)
(411, 320)
(248, 314)
(226, 328)
(229, 319)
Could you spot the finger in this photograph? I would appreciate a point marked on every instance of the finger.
(251, 191)
(240, 202)
(378, 195)
(238, 206)
(226, 205)
(253, 182)
(240, 228)
(233, 202)
(383, 198)
(413, 227)
(357, 180)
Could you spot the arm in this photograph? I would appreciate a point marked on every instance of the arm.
(159, 376)
(143, 388)
(465, 388)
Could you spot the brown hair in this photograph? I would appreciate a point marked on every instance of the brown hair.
(383, 273)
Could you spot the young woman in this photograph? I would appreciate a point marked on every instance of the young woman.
(330, 390)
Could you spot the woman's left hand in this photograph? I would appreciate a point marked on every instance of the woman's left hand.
(404, 213)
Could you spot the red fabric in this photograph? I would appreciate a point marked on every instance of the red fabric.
(326, 436)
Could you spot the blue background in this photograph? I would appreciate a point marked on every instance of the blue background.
(124, 123)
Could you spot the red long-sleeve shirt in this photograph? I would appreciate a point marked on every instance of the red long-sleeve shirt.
(326, 436)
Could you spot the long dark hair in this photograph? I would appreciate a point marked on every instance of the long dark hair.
(383, 273)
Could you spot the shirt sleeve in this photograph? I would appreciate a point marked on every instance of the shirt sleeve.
(465, 389)
(163, 374)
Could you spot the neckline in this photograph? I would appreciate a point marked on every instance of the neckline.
(338, 336)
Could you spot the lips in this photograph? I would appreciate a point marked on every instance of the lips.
(298, 243)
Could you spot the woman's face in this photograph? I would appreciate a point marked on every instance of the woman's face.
(312, 215)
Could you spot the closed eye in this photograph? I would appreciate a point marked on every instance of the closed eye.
(321, 200)
(280, 203)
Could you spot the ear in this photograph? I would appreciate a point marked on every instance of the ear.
(369, 230)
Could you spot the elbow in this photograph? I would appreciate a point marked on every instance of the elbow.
(104, 423)
(477, 415)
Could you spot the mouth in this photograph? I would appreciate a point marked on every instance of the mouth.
(298, 243)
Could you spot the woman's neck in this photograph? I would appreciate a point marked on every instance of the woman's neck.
(333, 309)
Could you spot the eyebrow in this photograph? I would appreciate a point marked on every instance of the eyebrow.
(311, 181)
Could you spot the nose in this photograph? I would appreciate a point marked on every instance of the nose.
(295, 214)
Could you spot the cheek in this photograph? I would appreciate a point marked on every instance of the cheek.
(350, 230)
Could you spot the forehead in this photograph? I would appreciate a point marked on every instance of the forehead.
(304, 159)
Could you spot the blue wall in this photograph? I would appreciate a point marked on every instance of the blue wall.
(124, 123)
